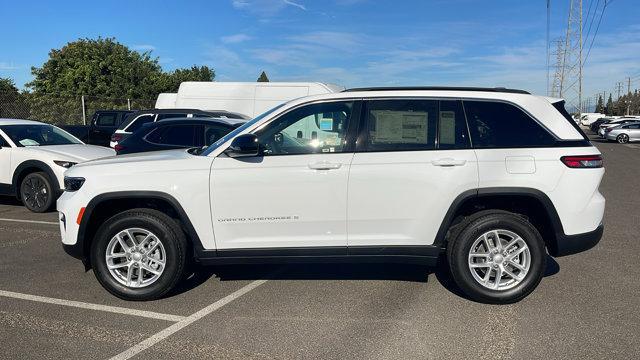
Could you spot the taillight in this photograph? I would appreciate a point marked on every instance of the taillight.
(118, 148)
(582, 161)
(608, 129)
(116, 137)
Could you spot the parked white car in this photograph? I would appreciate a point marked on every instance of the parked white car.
(490, 179)
(34, 157)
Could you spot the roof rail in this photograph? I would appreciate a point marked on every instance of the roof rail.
(446, 88)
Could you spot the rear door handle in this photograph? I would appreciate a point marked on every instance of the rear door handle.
(448, 162)
(324, 165)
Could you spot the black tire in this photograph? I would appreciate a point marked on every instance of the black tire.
(471, 229)
(170, 235)
(36, 192)
(622, 138)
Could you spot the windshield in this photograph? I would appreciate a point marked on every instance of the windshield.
(238, 130)
(38, 135)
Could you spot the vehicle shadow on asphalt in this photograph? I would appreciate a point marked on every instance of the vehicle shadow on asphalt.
(9, 200)
(332, 271)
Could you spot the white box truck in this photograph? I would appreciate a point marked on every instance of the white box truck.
(246, 98)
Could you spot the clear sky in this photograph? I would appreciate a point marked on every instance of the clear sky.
(347, 42)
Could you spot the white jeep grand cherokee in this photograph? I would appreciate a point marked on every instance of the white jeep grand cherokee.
(489, 180)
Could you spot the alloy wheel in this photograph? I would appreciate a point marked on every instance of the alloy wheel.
(499, 259)
(623, 138)
(135, 257)
(35, 193)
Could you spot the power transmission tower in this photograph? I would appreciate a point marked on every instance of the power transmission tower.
(629, 96)
(556, 85)
(619, 88)
(571, 74)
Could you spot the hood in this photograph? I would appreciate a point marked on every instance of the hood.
(74, 152)
(148, 157)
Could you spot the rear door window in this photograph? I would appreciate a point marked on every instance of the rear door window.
(502, 125)
(181, 135)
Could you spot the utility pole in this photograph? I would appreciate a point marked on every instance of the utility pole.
(572, 62)
(629, 96)
(556, 85)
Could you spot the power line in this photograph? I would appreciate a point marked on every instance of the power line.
(597, 28)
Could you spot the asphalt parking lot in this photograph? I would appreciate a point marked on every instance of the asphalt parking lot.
(587, 306)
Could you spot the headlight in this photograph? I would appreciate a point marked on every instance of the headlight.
(64, 164)
(73, 183)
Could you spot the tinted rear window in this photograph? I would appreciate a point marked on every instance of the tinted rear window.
(182, 135)
(502, 125)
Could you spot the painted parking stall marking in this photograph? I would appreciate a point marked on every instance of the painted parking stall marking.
(89, 306)
(30, 221)
(154, 339)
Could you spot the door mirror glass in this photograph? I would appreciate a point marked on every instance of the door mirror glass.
(245, 145)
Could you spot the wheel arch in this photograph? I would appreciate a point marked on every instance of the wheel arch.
(103, 206)
(529, 202)
(27, 167)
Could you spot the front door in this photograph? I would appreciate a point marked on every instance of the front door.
(413, 159)
(295, 194)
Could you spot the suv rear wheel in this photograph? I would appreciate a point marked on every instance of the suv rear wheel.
(139, 254)
(496, 257)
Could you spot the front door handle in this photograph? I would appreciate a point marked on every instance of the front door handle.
(449, 162)
(324, 165)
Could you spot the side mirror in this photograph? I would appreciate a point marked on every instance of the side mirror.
(245, 145)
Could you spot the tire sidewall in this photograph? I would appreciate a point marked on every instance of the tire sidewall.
(174, 256)
(458, 258)
(47, 183)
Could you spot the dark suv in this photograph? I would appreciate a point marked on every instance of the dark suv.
(139, 118)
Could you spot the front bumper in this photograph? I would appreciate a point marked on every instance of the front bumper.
(573, 244)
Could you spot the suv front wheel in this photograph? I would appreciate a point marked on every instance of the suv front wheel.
(139, 254)
(497, 257)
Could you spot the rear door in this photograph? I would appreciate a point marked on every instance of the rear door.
(5, 163)
(413, 159)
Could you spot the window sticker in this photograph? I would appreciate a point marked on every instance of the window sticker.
(326, 124)
(401, 126)
(447, 127)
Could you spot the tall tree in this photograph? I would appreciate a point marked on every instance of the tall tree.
(170, 82)
(600, 105)
(263, 77)
(12, 102)
(609, 108)
(102, 70)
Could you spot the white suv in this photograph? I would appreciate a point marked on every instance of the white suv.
(489, 180)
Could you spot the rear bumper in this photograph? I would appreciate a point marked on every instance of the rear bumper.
(573, 244)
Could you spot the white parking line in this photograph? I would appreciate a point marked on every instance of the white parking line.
(30, 221)
(83, 305)
(154, 339)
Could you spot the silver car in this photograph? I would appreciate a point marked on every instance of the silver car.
(623, 133)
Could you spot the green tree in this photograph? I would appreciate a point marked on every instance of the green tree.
(263, 77)
(600, 105)
(609, 110)
(12, 102)
(107, 73)
(170, 82)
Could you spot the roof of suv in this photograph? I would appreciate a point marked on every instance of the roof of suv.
(446, 88)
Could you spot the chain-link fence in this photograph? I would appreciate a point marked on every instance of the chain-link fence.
(64, 110)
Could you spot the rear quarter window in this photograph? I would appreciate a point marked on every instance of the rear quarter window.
(502, 125)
